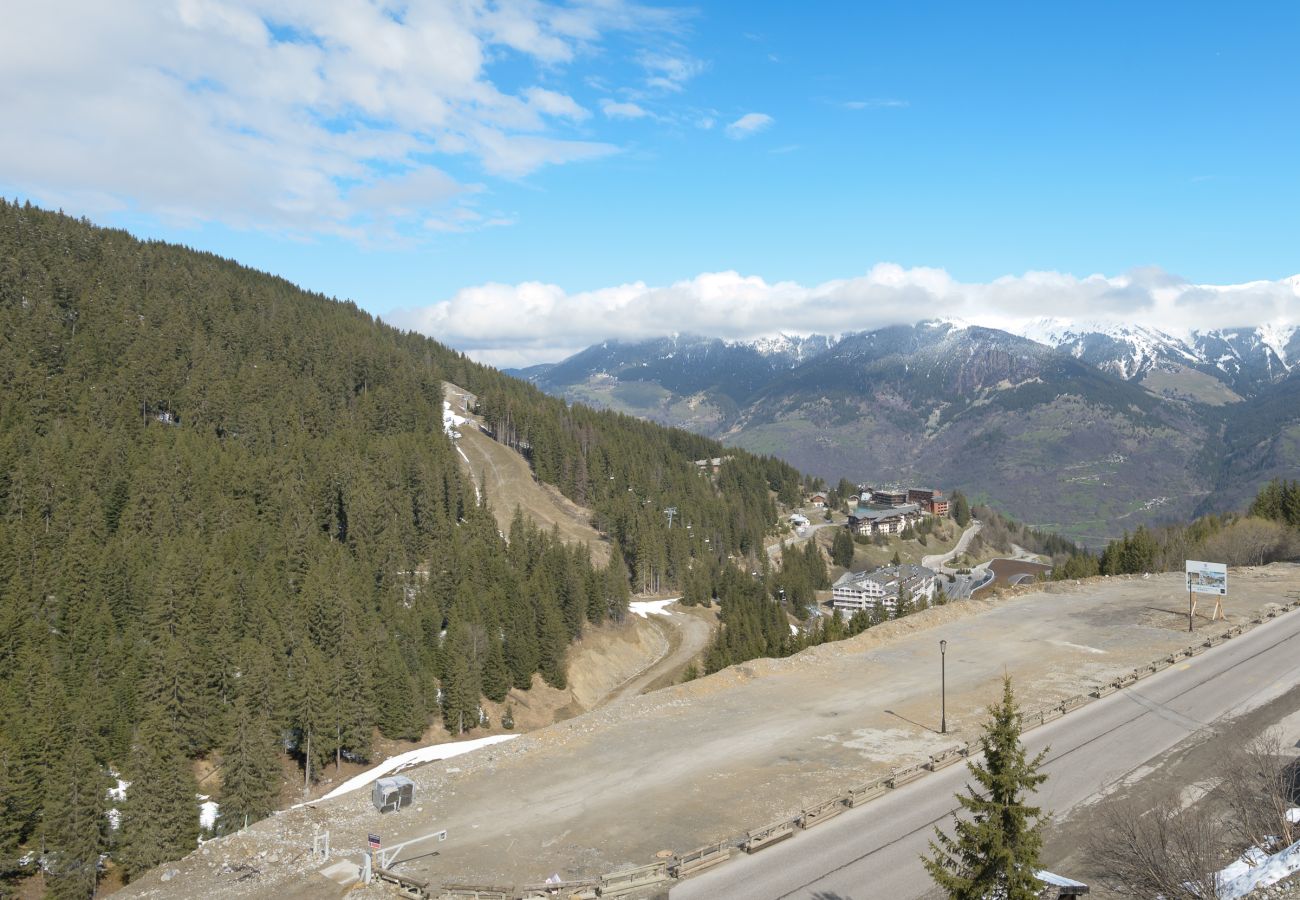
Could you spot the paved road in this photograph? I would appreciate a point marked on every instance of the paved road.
(937, 560)
(798, 539)
(874, 851)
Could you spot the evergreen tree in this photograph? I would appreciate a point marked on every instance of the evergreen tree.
(160, 817)
(459, 694)
(994, 852)
(250, 769)
(960, 509)
(496, 675)
(842, 549)
(74, 820)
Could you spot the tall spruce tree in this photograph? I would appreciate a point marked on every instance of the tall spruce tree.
(842, 548)
(993, 854)
(160, 817)
(75, 820)
(250, 769)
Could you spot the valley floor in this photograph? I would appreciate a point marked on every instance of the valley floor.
(704, 761)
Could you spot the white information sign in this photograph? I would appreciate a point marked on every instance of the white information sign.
(1207, 578)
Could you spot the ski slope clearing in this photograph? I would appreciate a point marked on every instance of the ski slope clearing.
(508, 481)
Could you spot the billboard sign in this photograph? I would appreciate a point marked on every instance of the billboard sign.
(1207, 578)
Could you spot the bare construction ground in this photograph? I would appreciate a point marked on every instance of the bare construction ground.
(678, 768)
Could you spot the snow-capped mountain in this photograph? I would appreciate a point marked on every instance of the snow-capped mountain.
(1244, 359)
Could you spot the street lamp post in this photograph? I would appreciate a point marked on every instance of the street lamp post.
(943, 687)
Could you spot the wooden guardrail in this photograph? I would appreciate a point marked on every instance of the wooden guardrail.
(866, 792)
(820, 812)
(628, 881)
(945, 758)
(768, 835)
(584, 889)
(906, 774)
(701, 858)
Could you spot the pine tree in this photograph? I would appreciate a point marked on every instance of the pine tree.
(960, 508)
(459, 694)
(496, 676)
(994, 852)
(842, 549)
(160, 817)
(250, 769)
(74, 820)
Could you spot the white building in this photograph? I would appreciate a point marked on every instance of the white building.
(868, 590)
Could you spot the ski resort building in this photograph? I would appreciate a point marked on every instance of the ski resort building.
(868, 590)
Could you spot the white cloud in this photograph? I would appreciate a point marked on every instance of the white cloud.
(615, 110)
(556, 104)
(534, 322)
(290, 115)
(669, 71)
(748, 124)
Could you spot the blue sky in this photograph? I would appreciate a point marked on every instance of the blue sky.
(984, 140)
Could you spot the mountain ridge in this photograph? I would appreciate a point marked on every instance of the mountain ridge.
(1088, 413)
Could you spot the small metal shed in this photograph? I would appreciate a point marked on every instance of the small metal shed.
(392, 793)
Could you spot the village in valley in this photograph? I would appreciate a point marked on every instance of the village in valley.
(898, 549)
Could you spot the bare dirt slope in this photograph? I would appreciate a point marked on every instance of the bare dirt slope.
(509, 482)
(680, 767)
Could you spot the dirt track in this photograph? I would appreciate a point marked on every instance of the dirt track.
(680, 767)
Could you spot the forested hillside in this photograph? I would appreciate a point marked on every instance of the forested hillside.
(231, 526)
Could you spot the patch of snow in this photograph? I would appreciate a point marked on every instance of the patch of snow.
(1293, 815)
(1261, 872)
(115, 795)
(208, 810)
(646, 608)
(1275, 338)
(414, 757)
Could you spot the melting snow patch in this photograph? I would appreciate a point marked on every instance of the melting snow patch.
(208, 810)
(1255, 870)
(413, 758)
(645, 608)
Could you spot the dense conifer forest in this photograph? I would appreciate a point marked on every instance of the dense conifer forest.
(232, 527)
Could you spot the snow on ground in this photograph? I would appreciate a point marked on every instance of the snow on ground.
(451, 421)
(1293, 815)
(208, 810)
(414, 758)
(645, 608)
(116, 795)
(1255, 870)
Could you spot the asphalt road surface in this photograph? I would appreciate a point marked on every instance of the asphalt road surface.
(875, 851)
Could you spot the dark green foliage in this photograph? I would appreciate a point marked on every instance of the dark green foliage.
(1280, 501)
(250, 769)
(753, 624)
(960, 509)
(842, 548)
(160, 817)
(993, 852)
(75, 811)
(225, 500)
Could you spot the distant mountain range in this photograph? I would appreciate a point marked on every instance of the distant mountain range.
(1088, 428)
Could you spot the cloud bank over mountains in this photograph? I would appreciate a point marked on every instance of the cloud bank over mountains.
(522, 324)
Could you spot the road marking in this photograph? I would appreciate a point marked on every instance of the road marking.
(1185, 666)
